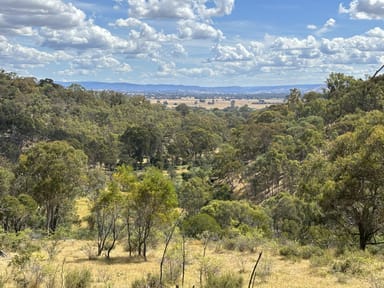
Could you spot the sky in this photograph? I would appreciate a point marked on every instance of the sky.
(192, 42)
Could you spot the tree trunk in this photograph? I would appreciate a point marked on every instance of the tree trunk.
(363, 237)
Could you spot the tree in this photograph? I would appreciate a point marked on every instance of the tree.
(227, 166)
(127, 180)
(355, 197)
(52, 173)
(17, 212)
(153, 200)
(239, 215)
(107, 213)
(194, 194)
(6, 179)
(139, 142)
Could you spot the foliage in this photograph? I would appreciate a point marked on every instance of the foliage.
(238, 214)
(51, 172)
(227, 280)
(81, 278)
(357, 192)
(308, 170)
(107, 212)
(197, 224)
(151, 281)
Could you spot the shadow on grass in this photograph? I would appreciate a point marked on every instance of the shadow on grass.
(112, 260)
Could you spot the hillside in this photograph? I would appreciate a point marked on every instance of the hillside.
(302, 179)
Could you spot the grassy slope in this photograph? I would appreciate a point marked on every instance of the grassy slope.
(121, 270)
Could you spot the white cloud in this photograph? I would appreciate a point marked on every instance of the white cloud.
(364, 9)
(179, 9)
(232, 53)
(54, 14)
(178, 50)
(221, 8)
(161, 9)
(191, 29)
(143, 31)
(376, 32)
(327, 26)
(300, 54)
(86, 35)
(20, 55)
(197, 72)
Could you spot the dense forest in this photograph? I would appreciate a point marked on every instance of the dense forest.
(310, 170)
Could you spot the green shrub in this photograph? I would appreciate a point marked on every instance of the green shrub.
(197, 224)
(78, 279)
(294, 251)
(307, 252)
(352, 263)
(290, 251)
(227, 280)
(347, 266)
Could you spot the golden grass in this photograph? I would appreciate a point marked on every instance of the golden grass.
(218, 103)
(273, 270)
(121, 270)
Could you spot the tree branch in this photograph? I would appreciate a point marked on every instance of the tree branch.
(377, 72)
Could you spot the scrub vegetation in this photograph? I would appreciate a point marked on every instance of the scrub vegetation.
(101, 189)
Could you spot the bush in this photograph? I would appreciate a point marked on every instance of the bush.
(321, 260)
(78, 279)
(242, 243)
(197, 224)
(291, 251)
(151, 281)
(352, 263)
(309, 251)
(347, 266)
(227, 280)
(294, 251)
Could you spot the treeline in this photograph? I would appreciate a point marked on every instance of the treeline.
(309, 170)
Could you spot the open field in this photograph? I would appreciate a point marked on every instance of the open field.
(273, 270)
(219, 103)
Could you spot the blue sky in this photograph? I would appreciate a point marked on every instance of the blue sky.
(192, 42)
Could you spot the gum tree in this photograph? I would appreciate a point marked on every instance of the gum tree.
(52, 173)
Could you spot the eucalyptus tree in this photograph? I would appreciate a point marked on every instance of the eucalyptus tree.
(52, 173)
(355, 194)
(153, 200)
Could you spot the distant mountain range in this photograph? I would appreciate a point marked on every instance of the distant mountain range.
(185, 90)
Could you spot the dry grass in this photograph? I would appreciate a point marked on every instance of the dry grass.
(273, 271)
(218, 103)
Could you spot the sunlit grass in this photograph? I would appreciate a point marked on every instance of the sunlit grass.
(273, 270)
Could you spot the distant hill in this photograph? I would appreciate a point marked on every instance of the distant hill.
(185, 90)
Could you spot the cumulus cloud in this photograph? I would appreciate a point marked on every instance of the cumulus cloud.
(161, 9)
(20, 55)
(178, 50)
(327, 26)
(191, 29)
(221, 8)
(364, 9)
(54, 14)
(179, 9)
(310, 53)
(197, 72)
(54, 24)
(232, 53)
(86, 35)
(143, 31)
